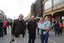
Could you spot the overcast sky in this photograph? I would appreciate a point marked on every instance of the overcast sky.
(12, 8)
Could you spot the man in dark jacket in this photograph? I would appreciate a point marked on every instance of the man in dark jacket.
(1, 28)
(18, 29)
(56, 28)
(32, 25)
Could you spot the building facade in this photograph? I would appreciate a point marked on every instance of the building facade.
(28, 17)
(54, 9)
(33, 9)
(9, 20)
(37, 8)
(2, 15)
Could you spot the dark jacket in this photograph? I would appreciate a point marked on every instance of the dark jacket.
(56, 26)
(32, 27)
(16, 28)
(1, 24)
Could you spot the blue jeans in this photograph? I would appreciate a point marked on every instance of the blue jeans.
(44, 38)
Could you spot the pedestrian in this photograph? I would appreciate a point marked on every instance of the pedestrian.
(18, 29)
(37, 28)
(45, 25)
(5, 24)
(32, 25)
(56, 28)
(41, 27)
(60, 29)
(1, 28)
(10, 24)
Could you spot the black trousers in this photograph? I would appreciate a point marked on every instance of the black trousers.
(32, 38)
(57, 32)
(5, 31)
(60, 30)
(1, 32)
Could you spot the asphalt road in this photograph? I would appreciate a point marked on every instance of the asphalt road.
(52, 38)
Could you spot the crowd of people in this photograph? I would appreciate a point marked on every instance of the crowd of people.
(19, 28)
(58, 26)
(3, 27)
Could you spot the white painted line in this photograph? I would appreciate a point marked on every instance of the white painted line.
(58, 38)
(52, 41)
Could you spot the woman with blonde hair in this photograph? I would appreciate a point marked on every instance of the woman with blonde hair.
(44, 27)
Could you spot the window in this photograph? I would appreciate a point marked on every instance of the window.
(56, 2)
(48, 4)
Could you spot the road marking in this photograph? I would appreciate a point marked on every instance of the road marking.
(52, 41)
(58, 38)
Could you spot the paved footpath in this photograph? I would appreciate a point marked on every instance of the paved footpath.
(52, 38)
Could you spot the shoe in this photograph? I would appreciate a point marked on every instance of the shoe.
(12, 40)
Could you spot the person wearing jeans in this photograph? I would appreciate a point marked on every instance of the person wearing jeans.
(44, 26)
(45, 38)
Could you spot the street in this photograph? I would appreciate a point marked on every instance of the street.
(41, 14)
(52, 38)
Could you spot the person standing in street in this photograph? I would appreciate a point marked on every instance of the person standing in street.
(1, 28)
(56, 28)
(37, 27)
(32, 25)
(60, 29)
(5, 25)
(18, 29)
(10, 24)
(45, 32)
(41, 27)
